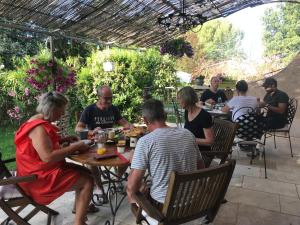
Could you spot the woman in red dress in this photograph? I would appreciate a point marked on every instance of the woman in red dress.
(38, 152)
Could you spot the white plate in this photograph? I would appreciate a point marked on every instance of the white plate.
(85, 141)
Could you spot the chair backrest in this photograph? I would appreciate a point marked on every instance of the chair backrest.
(224, 132)
(194, 195)
(251, 126)
(291, 110)
(177, 113)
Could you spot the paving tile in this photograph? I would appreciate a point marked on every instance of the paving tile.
(227, 214)
(248, 215)
(290, 205)
(254, 198)
(236, 181)
(241, 170)
(270, 186)
(292, 176)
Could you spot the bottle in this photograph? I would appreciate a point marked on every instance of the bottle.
(219, 100)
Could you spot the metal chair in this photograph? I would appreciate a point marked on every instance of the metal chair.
(11, 196)
(190, 196)
(179, 115)
(224, 132)
(251, 128)
(285, 131)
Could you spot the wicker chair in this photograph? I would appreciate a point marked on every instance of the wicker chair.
(222, 147)
(11, 196)
(285, 131)
(190, 196)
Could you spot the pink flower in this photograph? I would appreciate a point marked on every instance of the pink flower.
(12, 93)
(27, 92)
(17, 109)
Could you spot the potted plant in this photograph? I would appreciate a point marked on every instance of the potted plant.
(177, 48)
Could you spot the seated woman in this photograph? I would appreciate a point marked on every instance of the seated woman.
(197, 120)
(238, 104)
(38, 152)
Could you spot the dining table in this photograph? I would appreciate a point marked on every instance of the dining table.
(107, 180)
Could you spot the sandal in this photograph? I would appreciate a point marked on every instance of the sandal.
(91, 209)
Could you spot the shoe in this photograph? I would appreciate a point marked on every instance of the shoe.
(91, 209)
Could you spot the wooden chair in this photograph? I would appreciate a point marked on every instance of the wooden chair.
(12, 196)
(190, 196)
(224, 131)
(285, 131)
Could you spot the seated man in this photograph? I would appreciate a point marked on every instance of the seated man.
(242, 100)
(276, 102)
(162, 151)
(101, 114)
(213, 95)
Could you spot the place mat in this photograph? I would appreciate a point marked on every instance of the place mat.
(105, 155)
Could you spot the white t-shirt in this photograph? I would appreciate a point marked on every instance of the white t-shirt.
(238, 102)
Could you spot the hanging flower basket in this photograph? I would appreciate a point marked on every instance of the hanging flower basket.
(44, 72)
(177, 48)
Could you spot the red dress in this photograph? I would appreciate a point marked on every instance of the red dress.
(53, 179)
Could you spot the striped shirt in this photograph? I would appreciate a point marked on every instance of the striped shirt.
(162, 151)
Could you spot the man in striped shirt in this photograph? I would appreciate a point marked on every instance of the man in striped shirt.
(162, 151)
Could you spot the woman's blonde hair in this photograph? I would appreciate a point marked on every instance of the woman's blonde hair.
(188, 96)
(49, 101)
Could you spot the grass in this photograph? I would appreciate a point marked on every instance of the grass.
(7, 146)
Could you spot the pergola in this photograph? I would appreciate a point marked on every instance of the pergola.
(123, 22)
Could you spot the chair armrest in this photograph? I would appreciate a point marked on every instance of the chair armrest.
(15, 180)
(215, 153)
(146, 205)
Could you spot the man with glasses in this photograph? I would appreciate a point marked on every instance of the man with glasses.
(101, 114)
(276, 102)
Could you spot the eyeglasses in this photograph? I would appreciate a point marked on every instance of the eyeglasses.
(107, 98)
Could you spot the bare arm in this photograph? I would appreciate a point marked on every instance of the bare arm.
(209, 137)
(210, 101)
(134, 183)
(43, 145)
(281, 108)
(226, 109)
(80, 126)
(124, 123)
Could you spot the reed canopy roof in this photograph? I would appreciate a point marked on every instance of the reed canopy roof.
(124, 22)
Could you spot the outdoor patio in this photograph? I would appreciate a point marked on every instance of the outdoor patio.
(252, 199)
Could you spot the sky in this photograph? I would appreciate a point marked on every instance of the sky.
(249, 21)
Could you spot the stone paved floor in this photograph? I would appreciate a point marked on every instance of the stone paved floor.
(252, 199)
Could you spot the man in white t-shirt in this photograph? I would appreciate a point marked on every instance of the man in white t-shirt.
(240, 101)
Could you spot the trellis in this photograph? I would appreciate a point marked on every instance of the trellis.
(123, 22)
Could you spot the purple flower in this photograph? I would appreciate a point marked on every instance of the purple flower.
(27, 92)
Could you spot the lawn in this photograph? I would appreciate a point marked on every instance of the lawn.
(7, 147)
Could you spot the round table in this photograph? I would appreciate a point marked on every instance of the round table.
(101, 169)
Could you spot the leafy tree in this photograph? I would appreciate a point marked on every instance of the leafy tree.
(281, 35)
(16, 44)
(216, 41)
(132, 72)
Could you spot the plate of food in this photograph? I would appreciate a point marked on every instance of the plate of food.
(135, 132)
(110, 142)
